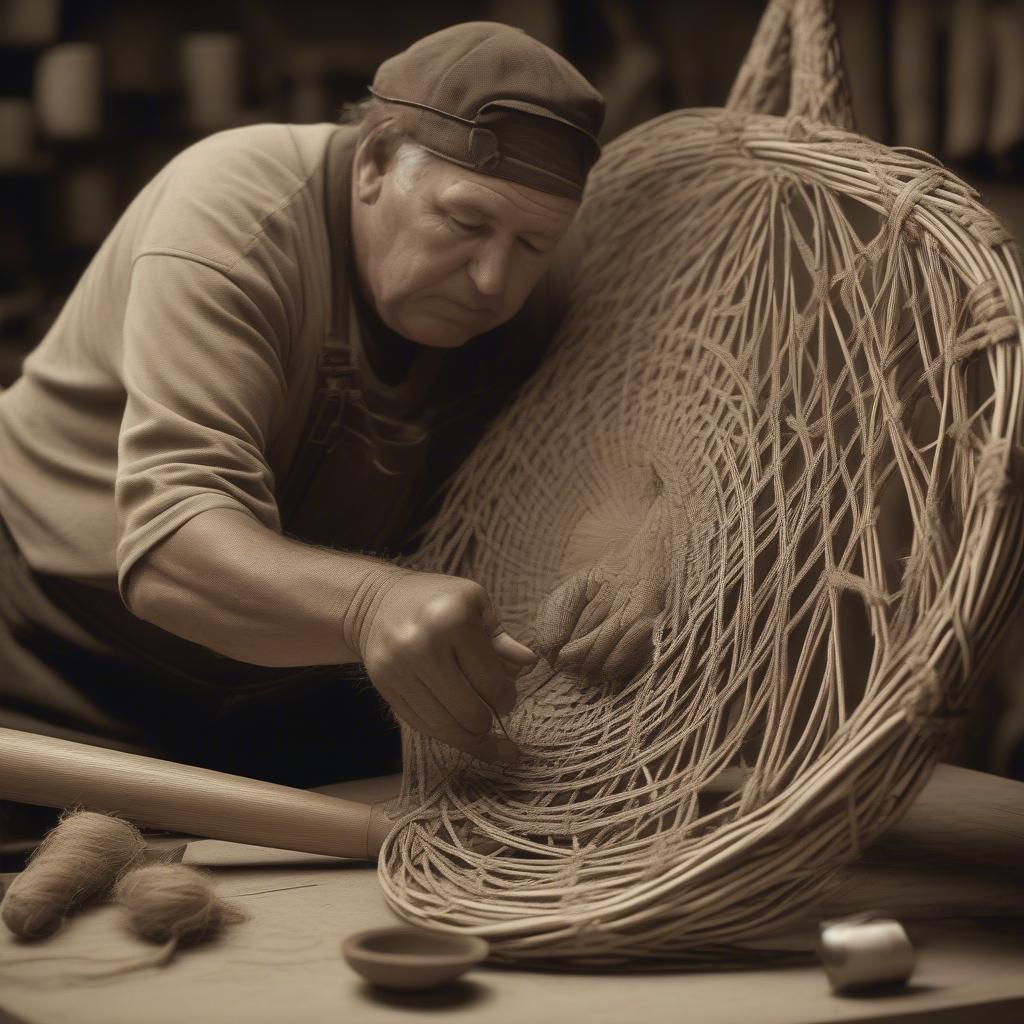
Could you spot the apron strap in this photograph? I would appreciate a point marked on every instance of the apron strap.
(337, 382)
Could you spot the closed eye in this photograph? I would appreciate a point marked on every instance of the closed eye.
(469, 227)
(474, 227)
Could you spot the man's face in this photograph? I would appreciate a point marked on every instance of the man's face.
(444, 253)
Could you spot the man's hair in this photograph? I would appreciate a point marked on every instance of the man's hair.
(355, 111)
(394, 144)
(371, 114)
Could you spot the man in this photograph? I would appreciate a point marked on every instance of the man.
(257, 389)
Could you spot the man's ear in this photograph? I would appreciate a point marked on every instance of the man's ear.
(371, 164)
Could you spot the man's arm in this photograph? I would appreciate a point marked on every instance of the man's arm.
(200, 553)
(431, 643)
(226, 581)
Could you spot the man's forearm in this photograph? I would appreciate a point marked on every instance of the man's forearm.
(225, 581)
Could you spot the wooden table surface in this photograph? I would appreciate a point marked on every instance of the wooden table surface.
(951, 871)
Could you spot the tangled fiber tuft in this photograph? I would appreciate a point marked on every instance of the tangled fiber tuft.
(173, 903)
(81, 858)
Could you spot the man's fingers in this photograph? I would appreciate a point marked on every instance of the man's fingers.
(514, 670)
(571, 656)
(602, 642)
(612, 651)
(508, 647)
(477, 664)
(558, 614)
(404, 711)
(493, 749)
(453, 697)
(618, 629)
(439, 722)
(597, 609)
(487, 614)
(631, 653)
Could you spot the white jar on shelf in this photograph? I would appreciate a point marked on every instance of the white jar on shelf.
(68, 91)
(211, 74)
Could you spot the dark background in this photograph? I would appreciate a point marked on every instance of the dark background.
(946, 76)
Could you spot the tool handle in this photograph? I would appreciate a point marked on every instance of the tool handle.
(181, 798)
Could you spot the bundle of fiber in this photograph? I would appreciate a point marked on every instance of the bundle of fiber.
(760, 509)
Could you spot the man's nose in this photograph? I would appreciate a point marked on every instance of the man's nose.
(489, 267)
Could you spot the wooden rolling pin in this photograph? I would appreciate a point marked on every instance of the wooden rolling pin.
(161, 794)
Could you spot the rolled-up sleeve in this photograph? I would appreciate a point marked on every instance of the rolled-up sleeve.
(203, 371)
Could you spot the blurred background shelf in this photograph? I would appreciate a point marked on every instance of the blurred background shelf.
(97, 95)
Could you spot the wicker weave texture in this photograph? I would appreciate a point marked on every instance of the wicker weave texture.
(779, 441)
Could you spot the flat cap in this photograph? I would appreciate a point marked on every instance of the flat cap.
(491, 98)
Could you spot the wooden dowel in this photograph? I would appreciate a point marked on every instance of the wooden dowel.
(162, 794)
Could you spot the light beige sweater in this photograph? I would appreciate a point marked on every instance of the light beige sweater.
(179, 374)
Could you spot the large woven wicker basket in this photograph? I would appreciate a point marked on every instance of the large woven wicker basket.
(777, 445)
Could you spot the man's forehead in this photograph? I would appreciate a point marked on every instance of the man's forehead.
(498, 197)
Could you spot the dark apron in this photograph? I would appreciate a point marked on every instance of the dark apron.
(359, 472)
(376, 458)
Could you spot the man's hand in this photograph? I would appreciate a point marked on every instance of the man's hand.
(434, 649)
(597, 624)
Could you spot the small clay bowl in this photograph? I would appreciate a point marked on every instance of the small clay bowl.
(410, 958)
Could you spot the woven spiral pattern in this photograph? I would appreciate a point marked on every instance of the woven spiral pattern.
(778, 439)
